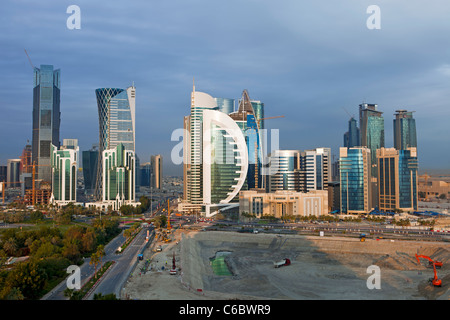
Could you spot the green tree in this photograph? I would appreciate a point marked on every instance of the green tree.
(29, 278)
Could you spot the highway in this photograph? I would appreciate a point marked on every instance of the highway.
(113, 280)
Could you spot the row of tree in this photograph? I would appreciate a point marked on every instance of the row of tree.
(50, 251)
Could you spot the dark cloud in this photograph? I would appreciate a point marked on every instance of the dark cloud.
(305, 60)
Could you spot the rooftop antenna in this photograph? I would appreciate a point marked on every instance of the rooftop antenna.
(29, 58)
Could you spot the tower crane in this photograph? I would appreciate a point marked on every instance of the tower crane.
(435, 281)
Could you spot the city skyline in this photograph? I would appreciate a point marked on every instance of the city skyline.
(304, 68)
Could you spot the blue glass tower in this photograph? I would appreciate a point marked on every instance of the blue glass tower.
(355, 176)
(404, 130)
(46, 118)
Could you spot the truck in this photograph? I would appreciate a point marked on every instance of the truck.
(284, 262)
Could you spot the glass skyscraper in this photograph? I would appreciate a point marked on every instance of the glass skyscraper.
(355, 177)
(397, 179)
(372, 131)
(90, 162)
(116, 115)
(404, 130)
(352, 136)
(46, 118)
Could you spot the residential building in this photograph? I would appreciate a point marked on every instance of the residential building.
(119, 179)
(355, 180)
(64, 174)
(397, 179)
(46, 118)
(284, 170)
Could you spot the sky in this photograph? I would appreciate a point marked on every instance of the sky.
(312, 62)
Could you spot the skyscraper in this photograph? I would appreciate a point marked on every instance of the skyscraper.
(64, 174)
(284, 170)
(355, 180)
(397, 179)
(316, 168)
(215, 155)
(371, 123)
(119, 176)
(404, 130)
(157, 171)
(352, 136)
(13, 173)
(46, 118)
(90, 163)
(116, 115)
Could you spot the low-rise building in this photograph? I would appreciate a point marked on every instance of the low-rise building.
(283, 203)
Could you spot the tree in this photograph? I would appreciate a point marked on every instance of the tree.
(100, 252)
(94, 261)
(10, 246)
(29, 278)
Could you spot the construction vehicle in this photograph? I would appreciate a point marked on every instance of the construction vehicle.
(362, 237)
(435, 281)
(284, 262)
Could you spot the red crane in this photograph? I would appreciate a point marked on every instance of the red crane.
(435, 281)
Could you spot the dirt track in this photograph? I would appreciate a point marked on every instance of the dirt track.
(322, 268)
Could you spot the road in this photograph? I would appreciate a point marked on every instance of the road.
(113, 280)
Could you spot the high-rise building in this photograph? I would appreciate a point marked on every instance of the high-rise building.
(404, 130)
(250, 118)
(46, 118)
(3, 173)
(352, 136)
(397, 179)
(157, 171)
(90, 162)
(64, 174)
(316, 168)
(355, 180)
(116, 112)
(146, 172)
(13, 173)
(284, 170)
(119, 176)
(371, 123)
(225, 158)
(214, 156)
(25, 160)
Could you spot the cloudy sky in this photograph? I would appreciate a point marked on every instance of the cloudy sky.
(311, 61)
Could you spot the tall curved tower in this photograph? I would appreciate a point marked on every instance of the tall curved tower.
(116, 123)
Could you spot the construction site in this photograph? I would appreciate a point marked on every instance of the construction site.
(217, 265)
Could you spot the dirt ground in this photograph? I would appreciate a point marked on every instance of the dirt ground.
(321, 268)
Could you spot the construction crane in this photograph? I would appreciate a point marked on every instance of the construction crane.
(435, 281)
(258, 123)
(32, 66)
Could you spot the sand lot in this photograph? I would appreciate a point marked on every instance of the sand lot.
(321, 268)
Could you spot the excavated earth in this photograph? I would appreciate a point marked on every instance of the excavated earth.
(331, 268)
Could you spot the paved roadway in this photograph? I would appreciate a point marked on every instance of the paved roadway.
(113, 280)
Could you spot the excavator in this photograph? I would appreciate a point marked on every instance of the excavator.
(435, 281)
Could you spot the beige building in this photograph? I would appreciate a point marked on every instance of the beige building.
(433, 188)
(283, 202)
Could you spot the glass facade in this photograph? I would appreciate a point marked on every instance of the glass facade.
(116, 112)
(352, 137)
(46, 117)
(354, 166)
(119, 174)
(372, 131)
(398, 174)
(404, 130)
(90, 162)
(64, 174)
(284, 170)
